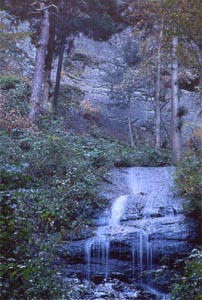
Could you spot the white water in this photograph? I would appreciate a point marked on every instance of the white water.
(152, 187)
(117, 210)
(97, 248)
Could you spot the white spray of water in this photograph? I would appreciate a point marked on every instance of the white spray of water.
(97, 248)
(117, 210)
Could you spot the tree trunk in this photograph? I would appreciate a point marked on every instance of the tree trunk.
(36, 91)
(176, 135)
(58, 75)
(46, 91)
(59, 69)
(157, 97)
(48, 69)
(130, 124)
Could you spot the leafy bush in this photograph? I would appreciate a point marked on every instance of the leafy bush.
(20, 95)
(26, 270)
(141, 156)
(14, 95)
(188, 283)
(13, 176)
(189, 176)
(14, 244)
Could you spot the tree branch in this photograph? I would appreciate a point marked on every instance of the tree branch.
(45, 8)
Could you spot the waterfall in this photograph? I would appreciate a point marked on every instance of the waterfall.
(157, 196)
(149, 190)
(97, 248)
(144, 251)
(117, 210)
(97, 251)
(143, 225)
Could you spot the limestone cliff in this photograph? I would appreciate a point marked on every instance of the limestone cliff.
(102, 89)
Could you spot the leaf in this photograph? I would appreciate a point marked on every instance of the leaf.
(26, 273)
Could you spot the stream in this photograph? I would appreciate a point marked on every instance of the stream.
(143, 226)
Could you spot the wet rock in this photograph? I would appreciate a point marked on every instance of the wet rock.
(147, 225)
(73, 251)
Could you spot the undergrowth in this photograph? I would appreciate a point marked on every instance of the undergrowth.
(49, 192)
(189, 175)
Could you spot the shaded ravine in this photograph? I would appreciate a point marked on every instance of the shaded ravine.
(142, 226)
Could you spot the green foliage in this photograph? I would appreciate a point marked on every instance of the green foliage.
(9, 82)
(14, 248)
(26, 271)
(14, 93)
(20, 94)
(188, 283)
(101, 20)
(141, 156)
(39, 211)
(49, 193)
(13, 176)
(189, 179)
(183, 18)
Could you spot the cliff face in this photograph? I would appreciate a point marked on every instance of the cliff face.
(16, 50)
(102, 88)
(113, 92)
(98, 69)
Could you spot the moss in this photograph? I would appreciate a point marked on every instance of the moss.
(70, 96)
(9, 82)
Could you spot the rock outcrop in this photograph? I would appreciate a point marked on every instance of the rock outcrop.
(99, 71)
(144, 225)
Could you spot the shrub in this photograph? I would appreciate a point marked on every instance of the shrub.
(14, 245)
(13, 176)
(14, 95)
(26, 270)
(189, 175)
(141, 156)
(188, 282)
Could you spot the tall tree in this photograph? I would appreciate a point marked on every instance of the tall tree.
(184, 20)
(36, 90)
(176, 136)
(149, 17)
(26, 9)
(48, 67)
(95, 18)
(186, 17)
(69, 11)
(158, 92)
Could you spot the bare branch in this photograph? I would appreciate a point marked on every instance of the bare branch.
(47, 7)
(34, 3)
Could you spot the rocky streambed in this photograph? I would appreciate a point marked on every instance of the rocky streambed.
(143, 227)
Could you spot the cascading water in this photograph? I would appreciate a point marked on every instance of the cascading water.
(97, 248)
(143, 225)
(117, 210)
